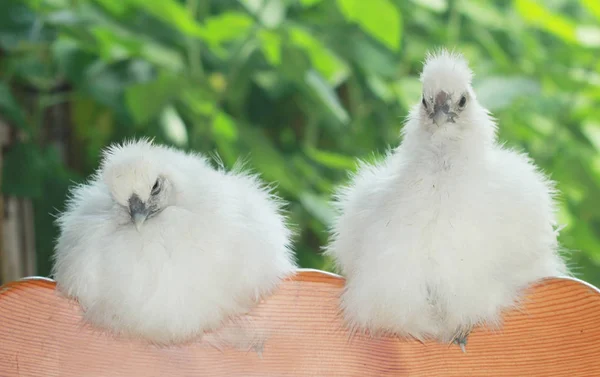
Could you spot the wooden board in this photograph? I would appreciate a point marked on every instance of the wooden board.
(557, 333)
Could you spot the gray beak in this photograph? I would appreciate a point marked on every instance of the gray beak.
(138, 211)
(441, 108)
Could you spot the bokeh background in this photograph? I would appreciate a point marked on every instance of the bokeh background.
(298, 88)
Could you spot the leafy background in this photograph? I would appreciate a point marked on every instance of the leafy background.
(300, 88)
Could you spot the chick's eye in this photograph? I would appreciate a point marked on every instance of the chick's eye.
(463, 101)
(424, 102)
(155, 188)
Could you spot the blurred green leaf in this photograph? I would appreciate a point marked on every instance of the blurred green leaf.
(10, 108)
(270, 12)
(325, 95)
(147, 100)
(537, 15)
(371, 59)
(272, 83)
(16, 21)
(224, 127)
(593, 6)
(307, 258)
(309, 3)
(117, 43)
(174, 127)
(496, 93)
(379, 18)
(380, 88)
(114, 46)
(326, 62)
(482, 13)
(585, 234)
(408, 91)
(269, 161)
(200, 100)
(438, 6)
(115, 7)
(23, 169)
(173, 13)
(591, 129)
(270, 44)
(313, 174)
(226, 27)
(106, 84)
(318, 206)
(71, 59)
(93, 125)
(331, 159)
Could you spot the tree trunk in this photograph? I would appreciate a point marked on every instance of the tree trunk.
(17, 238)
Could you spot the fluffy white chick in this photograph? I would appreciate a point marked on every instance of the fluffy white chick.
(160, 245)
(445, 232)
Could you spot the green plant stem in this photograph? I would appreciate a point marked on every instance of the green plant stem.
(489, 43)
(453, 23)
(311, 131)
(193, 45)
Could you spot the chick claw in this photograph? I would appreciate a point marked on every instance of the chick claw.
(460, 339)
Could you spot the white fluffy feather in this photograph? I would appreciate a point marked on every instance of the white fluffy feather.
(446, 231)
(217, 245)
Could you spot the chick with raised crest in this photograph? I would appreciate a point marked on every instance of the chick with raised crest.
(160, 245)
(446, 231)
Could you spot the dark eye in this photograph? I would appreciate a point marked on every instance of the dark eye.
(155, 188)
(424, 102)
(463, 101)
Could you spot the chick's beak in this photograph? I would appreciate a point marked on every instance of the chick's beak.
(441, 108)
(138, 211)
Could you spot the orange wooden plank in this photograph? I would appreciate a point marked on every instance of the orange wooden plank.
(557, 333)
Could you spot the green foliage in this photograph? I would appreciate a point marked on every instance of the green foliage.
(379, 18)
(298, 88)
(22, 172)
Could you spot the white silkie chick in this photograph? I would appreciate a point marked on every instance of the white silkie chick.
(160, 245)
(445, 232)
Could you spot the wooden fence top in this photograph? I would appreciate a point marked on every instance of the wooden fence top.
(555, 333)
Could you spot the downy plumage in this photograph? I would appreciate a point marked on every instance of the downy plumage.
(160, 245)
(446, 231)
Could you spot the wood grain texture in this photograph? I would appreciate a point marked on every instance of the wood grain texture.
(556, 333)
